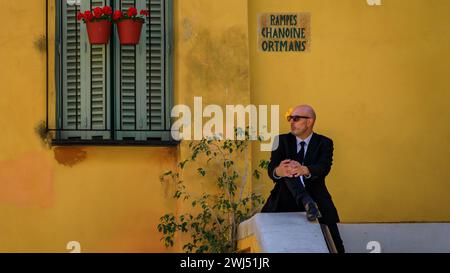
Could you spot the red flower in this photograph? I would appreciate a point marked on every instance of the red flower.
(80, 16)
(145, 12)
(107, 10)
(98, 12)
(132, 12)
(88, 15)
(117, 15)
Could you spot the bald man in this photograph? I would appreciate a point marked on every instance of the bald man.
(298, 167)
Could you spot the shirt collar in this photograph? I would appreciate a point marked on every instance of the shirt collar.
(307, 140)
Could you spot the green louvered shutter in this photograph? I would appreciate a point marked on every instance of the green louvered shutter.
(142, 99)
(85, 78)
(158, 100)
(71, 89)
(126, 79)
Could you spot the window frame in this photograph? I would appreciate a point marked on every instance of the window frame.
(168, 88)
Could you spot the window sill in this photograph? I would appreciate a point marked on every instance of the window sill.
(150, 143)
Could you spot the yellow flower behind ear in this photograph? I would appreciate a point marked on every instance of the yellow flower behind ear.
(288, 113)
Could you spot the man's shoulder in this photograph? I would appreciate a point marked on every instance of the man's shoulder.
(284, 137)
(323, 138)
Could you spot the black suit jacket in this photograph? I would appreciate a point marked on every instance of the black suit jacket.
(318, 159)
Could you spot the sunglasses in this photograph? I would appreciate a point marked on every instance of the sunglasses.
(296, 118)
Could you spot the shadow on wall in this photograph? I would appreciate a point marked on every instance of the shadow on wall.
(40, 43)
(217, 63)
(69, 156)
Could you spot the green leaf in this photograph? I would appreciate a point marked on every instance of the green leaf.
(183, 163)
(264, 164)
(209, 227)
(201, 171)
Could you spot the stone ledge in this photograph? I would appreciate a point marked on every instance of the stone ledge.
(284, 233)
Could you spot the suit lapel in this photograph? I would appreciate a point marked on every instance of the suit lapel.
(292, 146)
(313, 143)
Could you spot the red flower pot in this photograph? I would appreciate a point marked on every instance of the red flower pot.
(129, 31)
(98, 31)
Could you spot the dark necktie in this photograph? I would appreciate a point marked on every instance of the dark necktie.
(301, 153)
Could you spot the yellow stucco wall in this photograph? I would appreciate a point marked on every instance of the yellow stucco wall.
(249, 244)
(107, 198)
(211, 41)
(378, 79)
(376, 76)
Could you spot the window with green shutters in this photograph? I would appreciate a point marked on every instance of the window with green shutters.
(114, 92)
